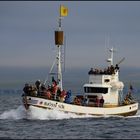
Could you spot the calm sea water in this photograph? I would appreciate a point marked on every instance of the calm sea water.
(16, 123)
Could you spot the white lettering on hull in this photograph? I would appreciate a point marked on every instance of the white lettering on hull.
(46, 104)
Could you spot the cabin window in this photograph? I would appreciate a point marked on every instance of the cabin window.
(96, 90)
(107, 80)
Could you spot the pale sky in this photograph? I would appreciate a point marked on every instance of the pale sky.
(27, 32)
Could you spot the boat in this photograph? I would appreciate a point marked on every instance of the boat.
(102, 94)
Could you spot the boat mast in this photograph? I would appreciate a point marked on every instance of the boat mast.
(59, 39)
(59, 66)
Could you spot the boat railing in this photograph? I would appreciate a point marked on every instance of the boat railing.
(107, 71)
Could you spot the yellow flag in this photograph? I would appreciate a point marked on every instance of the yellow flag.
(63, 11)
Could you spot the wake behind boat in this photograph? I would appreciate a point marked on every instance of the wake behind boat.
(103, 93)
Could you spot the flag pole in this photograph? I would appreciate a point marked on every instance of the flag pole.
(59, 21)
(59, 37)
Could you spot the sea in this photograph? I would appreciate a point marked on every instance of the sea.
(17, 123)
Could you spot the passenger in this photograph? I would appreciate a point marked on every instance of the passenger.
(91, 71)
(105, 71)
(50, 88)
(85, 101)
(33, 91)
(38, 85)
(26, 89)
(29, 90)
(101, 72)
(112, 69)
(129, 97)
(96, 71)
(54, 90)
(101, 102)
(62, 96)
(43, 90)
(126, 101)
(58, 94)
(108, 70)
(54, 81)
(77, 101)
(48, 94)
(68, 97)
(117, 67)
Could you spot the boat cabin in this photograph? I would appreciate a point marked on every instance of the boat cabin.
(103, 84)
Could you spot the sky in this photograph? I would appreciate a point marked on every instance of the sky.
(91, 28)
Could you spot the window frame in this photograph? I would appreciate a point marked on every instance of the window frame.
(103, 90)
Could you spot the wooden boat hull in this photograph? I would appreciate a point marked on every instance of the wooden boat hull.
(125, 110)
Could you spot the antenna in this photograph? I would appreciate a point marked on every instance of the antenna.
(110, 60)
(121, 60)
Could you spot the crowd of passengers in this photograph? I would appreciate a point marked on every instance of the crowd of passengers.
(95, 102)
(108, 71)
(52, 92)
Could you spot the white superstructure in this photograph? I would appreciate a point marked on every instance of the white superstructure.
(105, 83)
